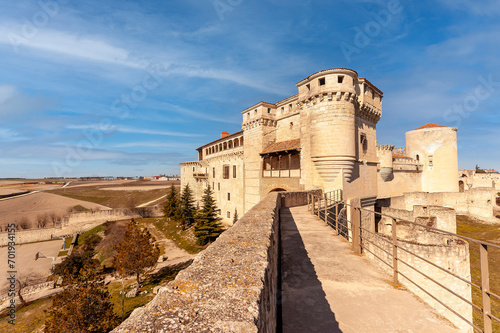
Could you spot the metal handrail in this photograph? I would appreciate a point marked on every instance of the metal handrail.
(328, 202)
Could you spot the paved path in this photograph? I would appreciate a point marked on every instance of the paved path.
(25, 259)
(327, 288)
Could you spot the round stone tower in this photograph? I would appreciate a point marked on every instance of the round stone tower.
(331, 99)
(384, 153)
(435, 146)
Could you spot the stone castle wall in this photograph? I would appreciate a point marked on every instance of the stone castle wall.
(477, 202)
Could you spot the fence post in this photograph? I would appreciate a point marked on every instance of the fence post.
(356, 231)
(337, 218)
(485, 288)
(395, 253)
(312, 203)
(326, 209)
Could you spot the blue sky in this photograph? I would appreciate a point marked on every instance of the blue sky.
(132, 88)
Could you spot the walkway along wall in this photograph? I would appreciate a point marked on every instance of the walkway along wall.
(417, 253)
(232, 286)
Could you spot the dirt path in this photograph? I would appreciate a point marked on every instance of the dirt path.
(150, 202)
(172, 251)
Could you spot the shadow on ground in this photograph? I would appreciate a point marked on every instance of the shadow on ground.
(304, 304)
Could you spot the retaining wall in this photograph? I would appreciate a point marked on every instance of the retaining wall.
(75, 223)
(478, 202)
(4, 294)
(232, 286)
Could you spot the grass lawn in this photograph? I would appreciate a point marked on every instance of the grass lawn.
(183, 238)
(130, 303)
(91, 232)
(489, 233)
(28, 318)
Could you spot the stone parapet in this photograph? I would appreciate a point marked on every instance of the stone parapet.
(232, 286)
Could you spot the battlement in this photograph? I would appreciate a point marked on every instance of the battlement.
(385, 147)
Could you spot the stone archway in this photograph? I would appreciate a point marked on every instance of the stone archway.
(461, 186)
(278, 190)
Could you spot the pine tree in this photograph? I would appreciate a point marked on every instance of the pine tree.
(187, 208)
(136, 255)
(171, 208)
(208, 228)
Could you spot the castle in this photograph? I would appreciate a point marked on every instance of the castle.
(323, 137)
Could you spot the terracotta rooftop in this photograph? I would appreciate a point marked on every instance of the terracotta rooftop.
(282, 146)
(400, 156)
(429, 125)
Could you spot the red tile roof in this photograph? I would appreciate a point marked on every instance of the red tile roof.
(282, 146)
(400, 156)
(429, 125)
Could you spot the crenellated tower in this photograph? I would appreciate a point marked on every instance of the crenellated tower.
(339, 112)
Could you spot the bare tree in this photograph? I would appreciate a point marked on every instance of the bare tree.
(42, 220)
(54, 218)
(26, 279)
(24, 223)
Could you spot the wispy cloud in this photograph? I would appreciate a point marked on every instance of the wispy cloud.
(73, 45)
(153, 144)
(8, 135)
(131, 130)
(14, 102)
(481, 7)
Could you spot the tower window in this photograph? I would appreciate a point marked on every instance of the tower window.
(321, 81)
(234, 171)
(430, 160)
(228, 196)
(308, 87)
(268, 110)
(340, 79)
(225, 173)
(228, 214)
(364, 142)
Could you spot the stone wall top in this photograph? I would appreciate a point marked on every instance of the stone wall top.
(231, 286)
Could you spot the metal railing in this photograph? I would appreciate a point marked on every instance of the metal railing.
(333, 210)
